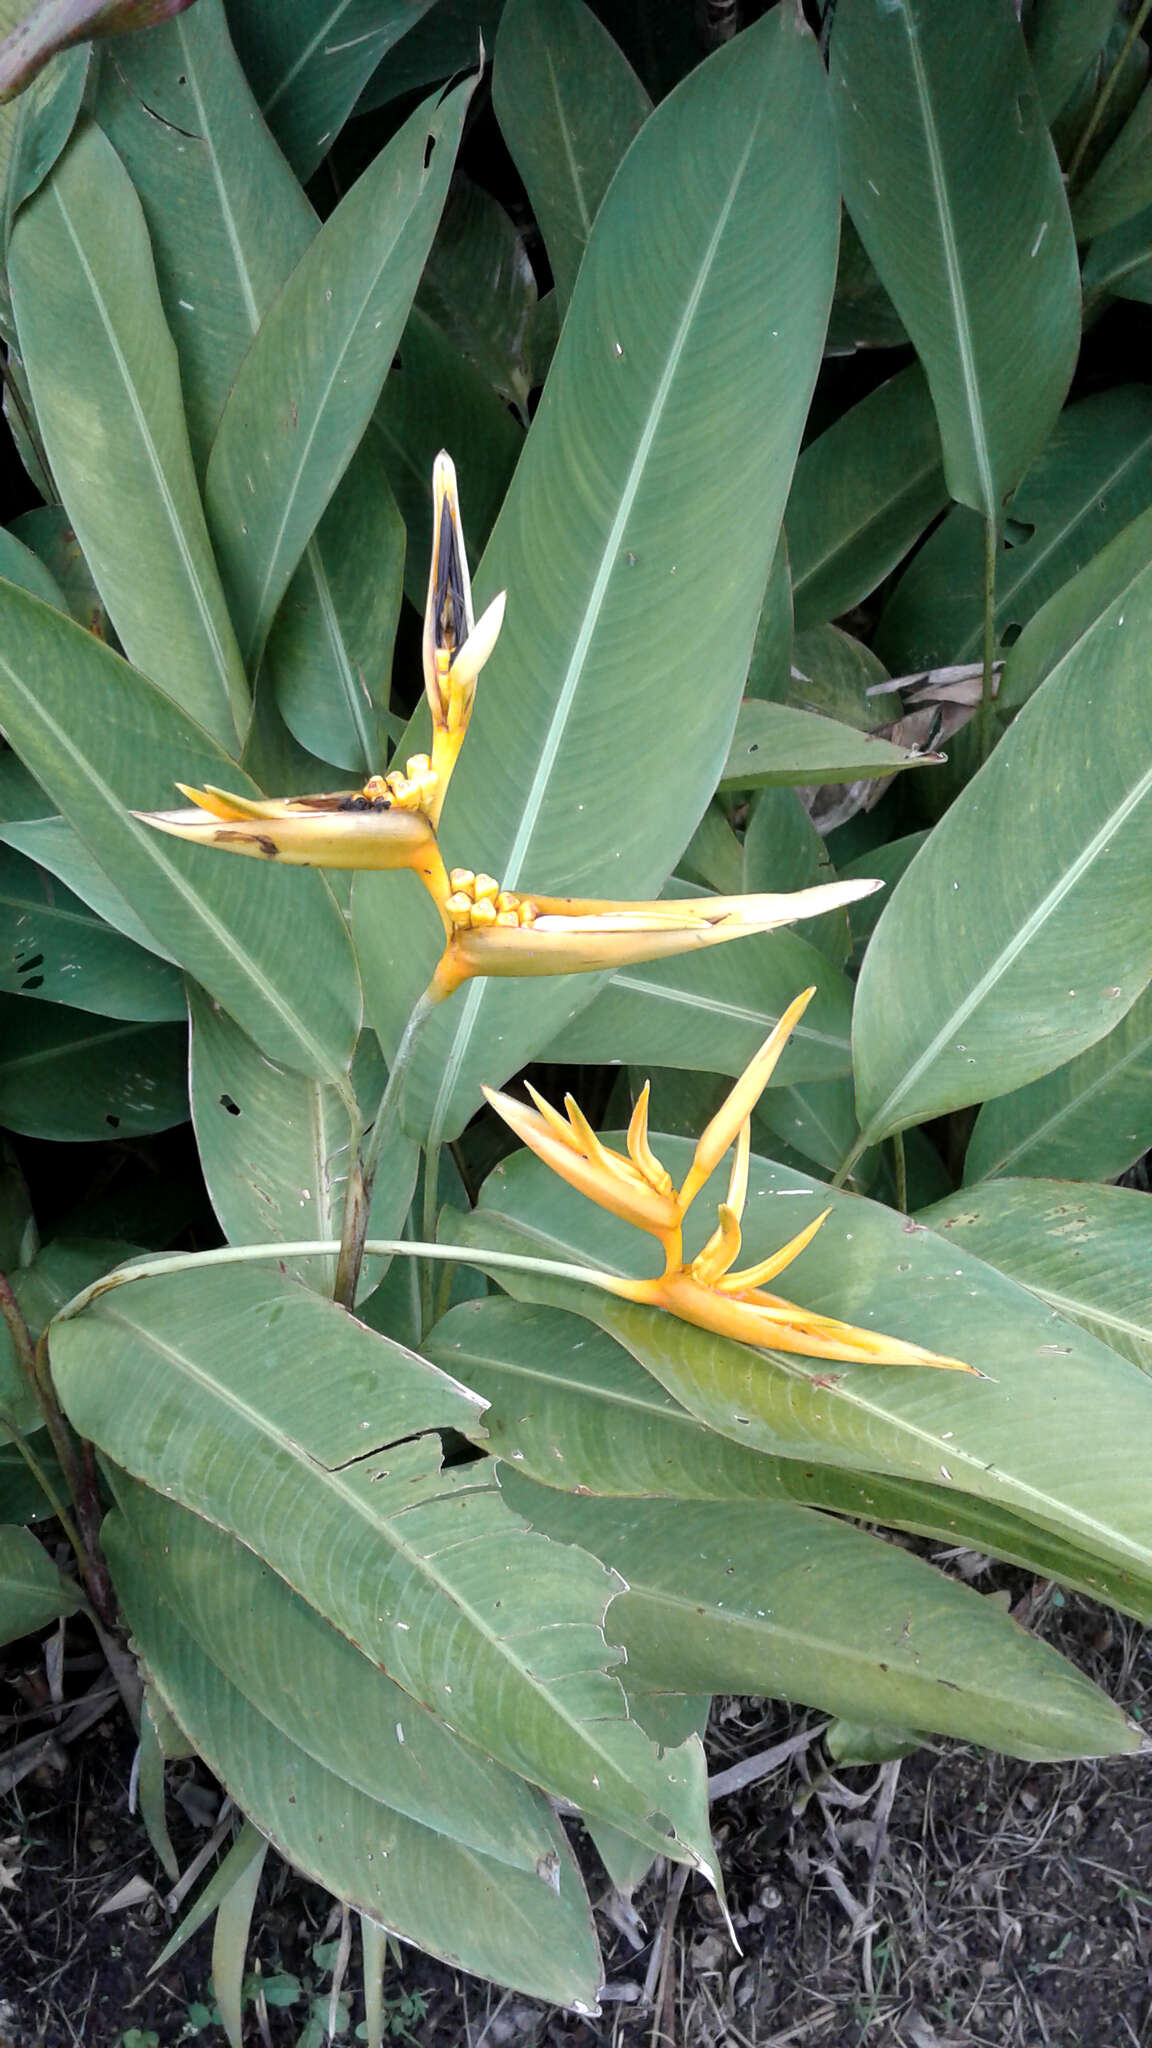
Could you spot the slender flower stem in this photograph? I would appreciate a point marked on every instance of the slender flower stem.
(900, 1172)
(987, 677)
(1104, 95)
(324, 1247)
(362, 1176)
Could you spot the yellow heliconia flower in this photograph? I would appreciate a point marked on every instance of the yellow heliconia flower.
(340, 829)
(455, 646)
(705, 1291)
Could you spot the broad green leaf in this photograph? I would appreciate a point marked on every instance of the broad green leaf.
(953, 184)
(275, 1146)
(305, 391)
(1092, 477)
(1051, 640)
(1121, 185)
(52, 844)
(22, 1498)
(204, 1385)
(45, 118)
(49, 535)
(771, 1598)
(863, 494)
(1121, 262)
(851, 1743)
(775, 744)
(103, 374)
(104, 742)
(721, 220)
(55, 950)
(310, 62)
(1086, 1251)
(329, 653)
(32, 1591)
(816, 1119)
(1088, 1120)
(322, 1694)
(568, 103)
(714, 856)
(713, 1010)
(42, 1286)
(863, 315)
(1056, 1432)
(19, 565)
(480, 289)
(66, 1075)
(227, 219)
(770, 666)
(1065, 37)
(433, 399)
(832, 673)
(573, 1410)
(467, 1908)
(885, 864)
(1031, 972)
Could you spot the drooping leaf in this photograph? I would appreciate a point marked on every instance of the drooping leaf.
(771, 1598)
(568, 103)
(307, 386)
(275, 1146)
(776, 745)
(1092, 477)
(1088, 1120)
(1055, 1432)
(1086, 1251)
(309, 63)
(102, 370)
(335, 1480)
(52, 843)
(104, 742)
(32, 1591)
(952, 181)
(1030, 973)
(864, 492)
(644, 582)
(66, 1075)
(55, 950)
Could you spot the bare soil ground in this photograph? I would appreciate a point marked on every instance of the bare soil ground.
(953, 1900)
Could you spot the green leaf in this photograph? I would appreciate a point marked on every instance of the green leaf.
(47, 532)
(573, 1410)
(309, 63)
(775, 744)
(305, 391)
(22, 1498)
(52, 844)
(1086, 1251)
(1055, 1433)
(1028, 974)
(45, 118)
(227, 220)
(863, 494)
(568, 103)
(465, 1907)
(204, 1385)
(274, 1146)
(711, 1011)
(52, 1276)
(1121, 185)
(480, 289)
(1091, 478)
(1053, 637)
(953, 184)
(32, 1591)
(770, 667)
(104, 742)
(53, 949)
(1121, 261)
(19, 565)
(1066, 36)
(700, 231)
(1089, 1120)
(329, 653)
(884, 864)
(66, 1075)
(434, 399)
(103, 374)
(323, 1695)
(773, 1599)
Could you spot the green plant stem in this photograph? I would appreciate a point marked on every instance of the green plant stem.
(39, 1474)
(429, 1221)
(844, 1170)
(324, 1247)
(1104, 95)
(362, 1175)
(988, 669)
(901, 1172)
(27, 1354)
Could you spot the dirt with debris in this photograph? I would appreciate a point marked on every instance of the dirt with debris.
(952, 1900)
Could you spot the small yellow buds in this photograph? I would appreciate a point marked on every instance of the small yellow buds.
(707, 1291)
(479, 904)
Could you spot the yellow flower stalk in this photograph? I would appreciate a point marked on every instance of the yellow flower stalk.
(706, 1290)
